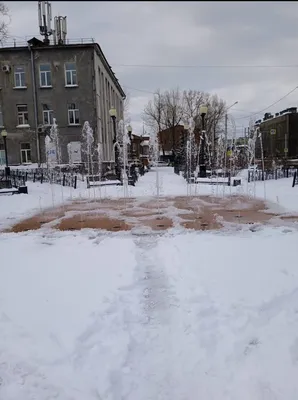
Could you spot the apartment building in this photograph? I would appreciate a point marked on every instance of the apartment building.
(71, 82)
(279, 135)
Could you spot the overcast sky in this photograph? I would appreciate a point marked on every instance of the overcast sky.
(159, 36)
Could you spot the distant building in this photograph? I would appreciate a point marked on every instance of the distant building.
(140, 145)
(279, 135)
(73, 83)
(169, 140)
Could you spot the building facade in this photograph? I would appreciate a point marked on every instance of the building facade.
(140, 149)
(169, 140)
(72, 83)
(279, 135)
(172, 139)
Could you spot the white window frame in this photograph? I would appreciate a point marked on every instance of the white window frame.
(21, 76)
(22, 114)
(1, 118)
(47, 76)
(26, 153)
(73, 75)
(72, 112)
(49, 115)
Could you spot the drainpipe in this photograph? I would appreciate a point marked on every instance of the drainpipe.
(35, 104)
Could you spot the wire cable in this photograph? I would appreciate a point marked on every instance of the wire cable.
(202, 66)
(271, 105)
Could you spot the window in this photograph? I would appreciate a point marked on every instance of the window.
(73, 115)
(22, 114)
(45, 76)
(25, 153)
(1, 118)
(145, 150)
(71, 74)
(47, 115)
(19, 77)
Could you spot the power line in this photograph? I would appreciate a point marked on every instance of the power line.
(138, 90)
(271, 105)
(202, 66)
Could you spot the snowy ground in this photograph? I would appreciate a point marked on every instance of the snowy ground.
(183, 316)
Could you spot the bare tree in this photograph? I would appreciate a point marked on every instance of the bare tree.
(193, 100)
(153, 114)
(171, 108)
(173, 112)
(4, 20)
(126, 113)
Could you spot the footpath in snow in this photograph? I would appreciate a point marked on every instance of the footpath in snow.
(209, 315)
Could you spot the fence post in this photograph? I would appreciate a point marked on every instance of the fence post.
(294, 179)
(75, 182)
(229, 179)
(63, 181)
(248, 176)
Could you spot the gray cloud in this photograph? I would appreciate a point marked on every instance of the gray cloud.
(187, 33)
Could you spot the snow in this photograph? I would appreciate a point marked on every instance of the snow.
(187, 315)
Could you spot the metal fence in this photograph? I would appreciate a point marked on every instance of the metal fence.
(42, 175)
(265, 175)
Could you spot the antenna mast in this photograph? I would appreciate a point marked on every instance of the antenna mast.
(45, 19)
(60, 31)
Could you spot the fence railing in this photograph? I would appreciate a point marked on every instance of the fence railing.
(265, 175)
(42, 175)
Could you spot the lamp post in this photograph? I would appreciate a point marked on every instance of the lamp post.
(129, 131)
(202, 165)
(113, 115)
(188, 161)
(7, 169)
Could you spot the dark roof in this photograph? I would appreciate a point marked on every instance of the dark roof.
(35, 42)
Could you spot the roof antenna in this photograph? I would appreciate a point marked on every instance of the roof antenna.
(45, 20)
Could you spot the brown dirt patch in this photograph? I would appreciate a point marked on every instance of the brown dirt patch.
(77, 223)
(199, 213)
(157, 224)
(31, 224)
(201, 225)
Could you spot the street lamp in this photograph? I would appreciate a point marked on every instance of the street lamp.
(113, 115)
(129, 131)
(187, 151)
(4, 136)
(202, 165)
